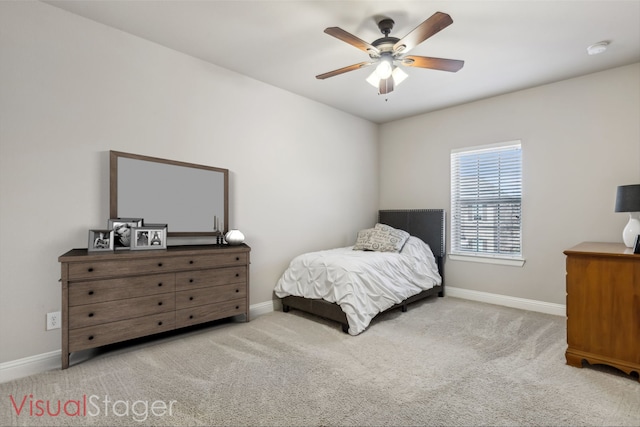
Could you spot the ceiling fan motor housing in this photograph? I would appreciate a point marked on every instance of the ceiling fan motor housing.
(386, 43)
(386, 25)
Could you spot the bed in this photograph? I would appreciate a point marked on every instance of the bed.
(330, 283)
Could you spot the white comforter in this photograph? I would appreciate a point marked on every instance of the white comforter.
(362, 283)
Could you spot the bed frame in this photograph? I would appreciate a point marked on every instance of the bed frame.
(427, 224)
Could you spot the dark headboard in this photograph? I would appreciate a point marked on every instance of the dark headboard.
(426, 224)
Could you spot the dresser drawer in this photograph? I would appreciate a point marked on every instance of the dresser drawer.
(213, 277)
(210, 312)
(114, 268)
(111, 311)
(202, 296)
(122, 288)
(209, 261)
(94, 336)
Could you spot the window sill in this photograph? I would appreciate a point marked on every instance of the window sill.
(513, 262)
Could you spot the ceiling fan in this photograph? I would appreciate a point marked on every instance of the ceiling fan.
(389, 52)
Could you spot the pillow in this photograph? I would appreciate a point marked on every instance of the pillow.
(362, 241)
(396, 233)
(381, 238)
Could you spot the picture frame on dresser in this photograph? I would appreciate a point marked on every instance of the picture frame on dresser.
(100, 241)
(122, 231)
(149, 237)
(636, 246)
(159, 242)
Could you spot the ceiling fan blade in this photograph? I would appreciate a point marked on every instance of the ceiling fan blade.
(386, 86)
(343, 70)
(341, 34)
(441, 64)
(428, 28)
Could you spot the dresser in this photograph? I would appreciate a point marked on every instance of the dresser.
(117, 296)
(603, 306)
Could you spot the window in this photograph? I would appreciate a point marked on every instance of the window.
(486, 203)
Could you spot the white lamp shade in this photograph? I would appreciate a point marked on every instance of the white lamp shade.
(398, 77)
(384, 68)
(373, 79)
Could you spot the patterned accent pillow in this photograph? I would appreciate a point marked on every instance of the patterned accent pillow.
(381, 238)
(362, 241)
(395, 233)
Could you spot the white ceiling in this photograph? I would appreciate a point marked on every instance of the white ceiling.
(506, 45)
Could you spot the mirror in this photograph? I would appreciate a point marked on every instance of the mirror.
(191, 199)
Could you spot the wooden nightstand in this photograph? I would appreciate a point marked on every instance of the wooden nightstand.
(603, 306)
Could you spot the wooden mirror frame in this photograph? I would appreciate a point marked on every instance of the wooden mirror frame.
(114, 156)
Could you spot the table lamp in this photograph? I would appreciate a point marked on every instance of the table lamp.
(628, 200)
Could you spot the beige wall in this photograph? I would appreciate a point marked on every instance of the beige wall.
(580, 140)
(303, 176)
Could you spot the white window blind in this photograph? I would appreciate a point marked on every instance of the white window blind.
(486, 193)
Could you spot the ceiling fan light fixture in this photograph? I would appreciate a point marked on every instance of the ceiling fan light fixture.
(385, 67)
(373, 79)
(398, 75)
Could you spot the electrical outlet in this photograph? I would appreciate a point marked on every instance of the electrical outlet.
(53, 320)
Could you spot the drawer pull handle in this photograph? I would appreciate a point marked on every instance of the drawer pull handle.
(191, 317)
(90, 337)
(237, 307)
(90, 269)
(160, 303)
(237, 290)
(160, 284)
(190, 261)
(90, 314)
(237, 274)
(190, 280)
(237, 258)
(90, 292)
(190, 298)
(159, 264)
(160, 323)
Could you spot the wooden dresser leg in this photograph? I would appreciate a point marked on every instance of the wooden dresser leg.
(573, 360)
(65, 359)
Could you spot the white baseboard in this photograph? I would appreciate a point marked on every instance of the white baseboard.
(261, 308)
(514, 302)
(29, 365)
(48, 361)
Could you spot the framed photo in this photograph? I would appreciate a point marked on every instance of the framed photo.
(150, 236)
(100, 240)
(636, 247)
(122, 231)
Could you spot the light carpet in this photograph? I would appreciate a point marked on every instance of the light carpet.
(445, 362)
